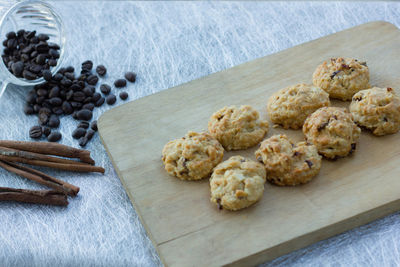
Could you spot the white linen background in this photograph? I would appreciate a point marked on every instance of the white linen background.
(167, 44)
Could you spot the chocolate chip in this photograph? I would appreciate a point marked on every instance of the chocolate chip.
(130, 76)
(35, 132)
(296, 153)
(345, 66)
(309, 163)
(385, 119)
(357, 98)
(322, 126)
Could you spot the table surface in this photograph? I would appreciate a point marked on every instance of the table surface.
(167, 44)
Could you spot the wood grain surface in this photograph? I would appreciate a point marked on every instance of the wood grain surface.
(188, 230)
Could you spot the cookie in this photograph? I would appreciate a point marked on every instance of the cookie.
(377, 109)
(237, 183)
(290, 106)
(288, 163)
(237, 128)
(333, 131)
(192, 157)
(341, 77)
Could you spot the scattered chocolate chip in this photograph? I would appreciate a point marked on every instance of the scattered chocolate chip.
(296, 153)
(353, 147)
(35, 132)
(389, 89)
(130, 76)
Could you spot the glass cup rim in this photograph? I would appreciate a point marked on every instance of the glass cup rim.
(9, 77)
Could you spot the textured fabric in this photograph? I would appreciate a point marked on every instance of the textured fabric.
(167, 43)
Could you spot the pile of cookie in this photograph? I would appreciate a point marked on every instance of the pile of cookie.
(330, 132)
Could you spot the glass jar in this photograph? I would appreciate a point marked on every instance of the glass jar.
(31, 15)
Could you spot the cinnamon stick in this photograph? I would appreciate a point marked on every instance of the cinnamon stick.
(49, 197)
(62, 166)
(49, 149)
(40, 178)
(5, 151)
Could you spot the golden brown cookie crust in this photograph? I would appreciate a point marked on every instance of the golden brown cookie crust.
(342, 77)
(192, 157)
(288, 163)
(377, 109)
(333, 131)
(237, 128)
(290, 106)
(237, 183)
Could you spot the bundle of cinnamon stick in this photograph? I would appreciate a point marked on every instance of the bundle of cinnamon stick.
(44, 154)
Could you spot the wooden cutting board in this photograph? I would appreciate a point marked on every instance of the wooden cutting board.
(186, 229)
